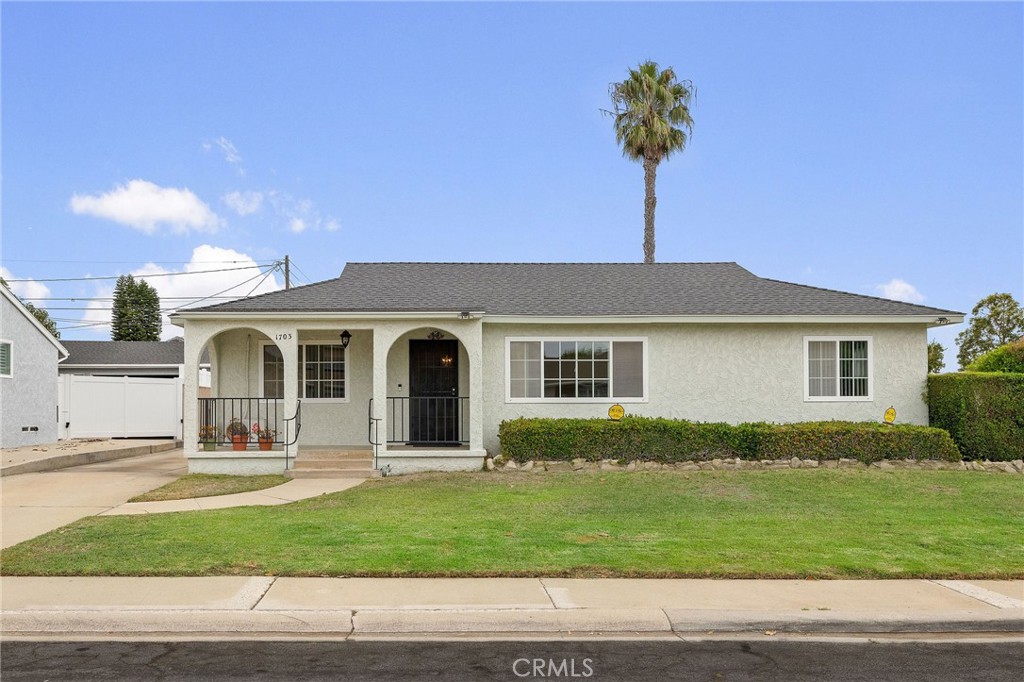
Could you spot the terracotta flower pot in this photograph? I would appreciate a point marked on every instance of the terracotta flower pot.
(266, 444)
(239, 442)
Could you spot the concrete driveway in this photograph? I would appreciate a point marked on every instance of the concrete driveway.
(36, 503)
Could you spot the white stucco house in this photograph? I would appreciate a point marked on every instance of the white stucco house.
(29, 354)
(412, 366)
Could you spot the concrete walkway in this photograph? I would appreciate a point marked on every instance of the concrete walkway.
(298, 489)
(370, 608)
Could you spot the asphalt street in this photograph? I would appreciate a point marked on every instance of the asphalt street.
(760, 658)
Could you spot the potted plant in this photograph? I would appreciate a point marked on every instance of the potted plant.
(265, 435)
(239, 433)
(208, 435)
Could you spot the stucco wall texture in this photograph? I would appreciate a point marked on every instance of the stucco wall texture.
(726, 373)
(28, 398)
(702, 372)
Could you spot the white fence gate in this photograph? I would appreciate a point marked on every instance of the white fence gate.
(120, 407)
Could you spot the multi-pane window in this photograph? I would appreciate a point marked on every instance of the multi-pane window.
(5, 358)
(321, 371)
(838, 368)
(323, 368)
(575, 369)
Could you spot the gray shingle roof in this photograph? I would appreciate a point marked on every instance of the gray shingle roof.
(125, 352)
(566, 289)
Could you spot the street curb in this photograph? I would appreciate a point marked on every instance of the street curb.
(469, 622)
(691, 621)
(80, 458)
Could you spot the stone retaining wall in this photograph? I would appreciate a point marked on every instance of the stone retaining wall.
(1014, 467)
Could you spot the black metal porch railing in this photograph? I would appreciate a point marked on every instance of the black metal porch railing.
(217, 414)
(442, 420)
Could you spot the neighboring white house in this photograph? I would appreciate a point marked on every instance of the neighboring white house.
(28, 376)
(436, 355)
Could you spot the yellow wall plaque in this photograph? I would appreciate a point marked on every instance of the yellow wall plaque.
(890, 415)
(615, 412)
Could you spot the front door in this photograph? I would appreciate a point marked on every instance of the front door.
(433, 392)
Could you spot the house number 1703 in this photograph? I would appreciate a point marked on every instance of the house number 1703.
(282, 337)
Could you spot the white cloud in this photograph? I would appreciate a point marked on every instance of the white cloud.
(898, 290)
(145, 206)
(300, 214)
(243, 203)
(181, 289)
(26, 290)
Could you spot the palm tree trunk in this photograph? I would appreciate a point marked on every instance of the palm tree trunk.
(650, 201)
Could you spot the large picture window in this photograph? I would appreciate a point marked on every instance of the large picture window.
(837, 368)
(580, 370)
(322, 372)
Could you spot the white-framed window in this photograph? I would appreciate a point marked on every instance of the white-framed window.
(323, 369)
(583, 370)
(5, 358)
(838, 368)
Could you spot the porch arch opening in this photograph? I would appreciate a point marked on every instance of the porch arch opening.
(242, 403)
(428, 390)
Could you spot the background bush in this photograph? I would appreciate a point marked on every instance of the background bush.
(983, 412)
(673, 440)
(1006, 358)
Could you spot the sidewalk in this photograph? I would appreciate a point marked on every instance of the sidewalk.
(395, 608)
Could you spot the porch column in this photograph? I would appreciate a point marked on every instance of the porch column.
(190, 394)
(382, 340)
(288, 343)
(474, 342)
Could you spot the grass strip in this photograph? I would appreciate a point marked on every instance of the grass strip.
(209, 485)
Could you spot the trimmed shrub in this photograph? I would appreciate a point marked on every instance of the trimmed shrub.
(1007, 358)
(983, 412)
(673, 440)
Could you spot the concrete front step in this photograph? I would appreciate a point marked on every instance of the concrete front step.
(362, 463)
(333, 473)
(335, 453)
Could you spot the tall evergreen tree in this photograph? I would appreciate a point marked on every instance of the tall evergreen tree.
(136, 315)
(652, 122)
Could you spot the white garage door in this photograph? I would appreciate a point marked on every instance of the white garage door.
(122, 407)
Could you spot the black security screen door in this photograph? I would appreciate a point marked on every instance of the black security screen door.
(433, 392)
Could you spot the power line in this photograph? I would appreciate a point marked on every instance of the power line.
(158, 274)
(123, 262)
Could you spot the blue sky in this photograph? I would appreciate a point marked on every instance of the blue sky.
(838, 145)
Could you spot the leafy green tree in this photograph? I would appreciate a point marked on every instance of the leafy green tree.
(1006, 358)
(936, 357)
(136, 315)
(43, 316)
(40, 314)
(996, 320)
(652, 122)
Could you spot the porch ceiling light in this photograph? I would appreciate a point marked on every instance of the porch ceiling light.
(464, 315)
(345, 338)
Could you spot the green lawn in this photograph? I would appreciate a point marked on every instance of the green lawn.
(799, 523)
(208, 485)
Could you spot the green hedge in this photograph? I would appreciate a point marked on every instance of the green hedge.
(1005, 358)
(672, 440)
(984, 412)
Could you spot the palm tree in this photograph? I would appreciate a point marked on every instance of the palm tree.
(652, 121)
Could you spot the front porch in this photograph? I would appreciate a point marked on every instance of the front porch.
(335, 398)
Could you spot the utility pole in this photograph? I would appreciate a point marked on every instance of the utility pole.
(287, 274)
